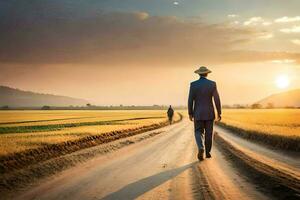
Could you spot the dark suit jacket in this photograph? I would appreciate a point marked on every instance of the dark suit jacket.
(200, 103)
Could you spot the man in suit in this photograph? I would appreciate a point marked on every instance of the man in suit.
(201, 110)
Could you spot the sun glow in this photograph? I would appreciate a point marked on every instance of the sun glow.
(282, 81)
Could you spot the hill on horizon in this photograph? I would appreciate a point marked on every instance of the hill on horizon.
(18, 98)
(289, 98)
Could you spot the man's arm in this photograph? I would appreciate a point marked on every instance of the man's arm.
(191, 103)
(217, 102)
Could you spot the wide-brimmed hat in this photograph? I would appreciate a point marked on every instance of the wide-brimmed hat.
(202, 70)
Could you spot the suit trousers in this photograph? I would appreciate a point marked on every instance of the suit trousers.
(204, 133)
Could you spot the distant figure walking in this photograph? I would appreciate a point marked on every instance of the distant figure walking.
(201, 110)
(170, 114)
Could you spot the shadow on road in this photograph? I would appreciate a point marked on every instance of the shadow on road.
(144, 185)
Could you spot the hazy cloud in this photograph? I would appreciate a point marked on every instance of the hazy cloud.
(232, 15)
(113, 37)
(266, 36)
(285, 61)
(287, 19)
(253, 21)
(257, 21)
(246, 56)
(294, 29)
(266, 23)
(296, 41)
(50, 33)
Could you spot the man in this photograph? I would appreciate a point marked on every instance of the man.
(170, 114)
(201, 110)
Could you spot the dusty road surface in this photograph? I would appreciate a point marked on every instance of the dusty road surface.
(161, 167)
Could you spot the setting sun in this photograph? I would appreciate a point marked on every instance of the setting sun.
(282, 81)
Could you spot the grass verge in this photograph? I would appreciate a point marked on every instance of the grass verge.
(290, 143)
(273, 182)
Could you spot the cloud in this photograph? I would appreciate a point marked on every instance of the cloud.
(285, 61)
(286, 19)
(259, 56)
(296, 41)
(294, 29)
(266, 23)
(141, 15)
(257, 21)
(253, 21)
(235, 23)
(232, 16)
(113, 38)
(266, 36)
(52, 34)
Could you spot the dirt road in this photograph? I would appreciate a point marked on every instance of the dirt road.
(161, 167)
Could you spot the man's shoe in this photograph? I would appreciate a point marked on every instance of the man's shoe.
(200, 155)
(208, 155)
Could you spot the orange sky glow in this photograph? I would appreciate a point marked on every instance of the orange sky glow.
(111, 53)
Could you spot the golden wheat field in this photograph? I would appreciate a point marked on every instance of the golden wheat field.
(284, 122)
(22, 130)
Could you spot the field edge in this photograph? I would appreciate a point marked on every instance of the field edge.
(290, 143)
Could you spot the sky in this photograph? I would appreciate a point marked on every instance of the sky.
(141, 52)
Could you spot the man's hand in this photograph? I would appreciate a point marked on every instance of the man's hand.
(219, 118)
(191, 117)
